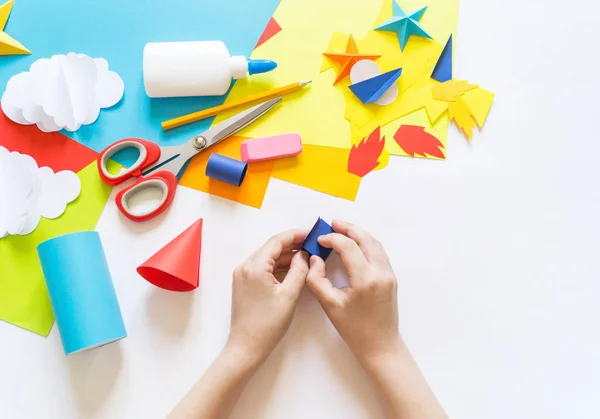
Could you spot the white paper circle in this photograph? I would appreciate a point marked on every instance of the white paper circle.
(364, 70)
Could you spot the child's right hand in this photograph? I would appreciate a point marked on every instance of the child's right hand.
(366, 313)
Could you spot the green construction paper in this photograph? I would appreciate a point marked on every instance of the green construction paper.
(24, 299)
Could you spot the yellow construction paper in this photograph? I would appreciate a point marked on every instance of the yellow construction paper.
(317, 111)
(449, 90)
(9, 45)
(479, 102)
(461, 114)
(23, 297)
(253, 189)
(324, 169)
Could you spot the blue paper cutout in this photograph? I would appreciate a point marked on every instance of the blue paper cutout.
(443, 69)
(81, 291)
(226, 169)
(405, 24)
(311, 244)
(370, 90)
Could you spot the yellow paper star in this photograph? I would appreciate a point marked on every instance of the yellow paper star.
(9, 45)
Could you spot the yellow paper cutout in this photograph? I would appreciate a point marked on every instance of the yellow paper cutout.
(449, 90)
(324, 169)
(479, 102)
(461, 114)
(23, 297)
(253, 189)
(9, 45)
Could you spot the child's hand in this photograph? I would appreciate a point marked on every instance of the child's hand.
(366, 313)
(262, 307)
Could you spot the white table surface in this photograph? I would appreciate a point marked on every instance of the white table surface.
(496, 250)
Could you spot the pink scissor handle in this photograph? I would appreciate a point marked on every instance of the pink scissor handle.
(163, 180)
(149, 154)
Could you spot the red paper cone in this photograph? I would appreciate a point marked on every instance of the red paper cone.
(176, 267)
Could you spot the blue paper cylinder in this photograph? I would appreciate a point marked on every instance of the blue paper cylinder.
(226, 169)
(81, 291)
(311, 244)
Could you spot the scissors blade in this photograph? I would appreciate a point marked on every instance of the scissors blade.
(232, 125)
(173, 158)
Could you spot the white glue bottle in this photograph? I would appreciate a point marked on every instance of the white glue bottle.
(199, 68)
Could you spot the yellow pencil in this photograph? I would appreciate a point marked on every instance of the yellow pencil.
(196, 116)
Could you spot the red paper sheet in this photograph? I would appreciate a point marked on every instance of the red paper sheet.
(53, 149)
(271, 30)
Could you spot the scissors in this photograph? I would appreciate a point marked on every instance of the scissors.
(157, 167)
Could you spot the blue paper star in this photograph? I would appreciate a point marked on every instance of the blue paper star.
(405, 24)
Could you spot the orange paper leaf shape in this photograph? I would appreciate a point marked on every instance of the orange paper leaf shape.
(363, 158)
(415, 140)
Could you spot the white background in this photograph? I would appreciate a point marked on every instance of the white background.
(496, 251)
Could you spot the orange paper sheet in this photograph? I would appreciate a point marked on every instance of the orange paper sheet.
(324, 169)
(253, 189)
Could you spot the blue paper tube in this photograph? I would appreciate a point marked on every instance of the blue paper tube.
(81, 291)
(311, 244)
(226, 169)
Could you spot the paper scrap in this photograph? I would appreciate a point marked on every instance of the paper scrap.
(479, 102)
(460, 113)
(323, 169)
(443, 69)
(346, 60)
(449, 90)
(363, 158)
(415, 140)
(28, 193)
(23, 297)
(62, 92)
(371, 90)
(270, 31)
(251, 192)
(9, 45)
(404, 24)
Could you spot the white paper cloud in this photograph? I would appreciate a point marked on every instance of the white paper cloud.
(64, 91)
(28, 193)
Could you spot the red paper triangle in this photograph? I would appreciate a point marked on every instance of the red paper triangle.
(270, 31)
(176, 267)
(52, 149)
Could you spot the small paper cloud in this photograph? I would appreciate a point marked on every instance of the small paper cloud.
(64, 91)
(28, 193)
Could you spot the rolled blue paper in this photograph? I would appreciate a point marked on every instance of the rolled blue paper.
(226, 169)
(81, 291)
(311, 244)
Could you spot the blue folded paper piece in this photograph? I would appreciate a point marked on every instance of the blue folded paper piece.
(370, 90)
(81, 291)
(404, 24)
(311, 244)
(443, 69)
(226, 169)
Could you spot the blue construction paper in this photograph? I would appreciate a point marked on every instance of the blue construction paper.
(118, 30)
(81, 291)
(443, 69)
(226, 169)
(311, 244)
(404, 24)
(370, 90)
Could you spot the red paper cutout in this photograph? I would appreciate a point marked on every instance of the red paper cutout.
(176, 267)
(363, 157)
(51, 149)
(415, 140)
(270, 31)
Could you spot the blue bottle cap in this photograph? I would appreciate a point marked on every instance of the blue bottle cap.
(261, 66)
